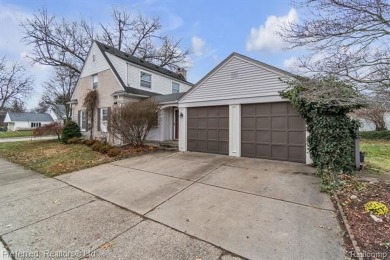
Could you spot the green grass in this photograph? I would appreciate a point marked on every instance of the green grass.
(52, 157)
(377, 155)
(10, 134)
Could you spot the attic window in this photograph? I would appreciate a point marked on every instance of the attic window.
(93, 57)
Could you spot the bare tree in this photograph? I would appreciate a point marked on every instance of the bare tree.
(132, 122)
(375, 111)
(61, 43)
(346, 39)
(58, 90)
(14, 83)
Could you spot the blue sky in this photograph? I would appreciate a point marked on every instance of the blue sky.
(213, 29)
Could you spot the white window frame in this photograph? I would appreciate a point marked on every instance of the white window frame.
(95, 81)
(174, 90)
(83, 127)
(144, 83)
(103, 123)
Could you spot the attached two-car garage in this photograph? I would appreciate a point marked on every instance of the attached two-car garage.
(236, 110)
(268, 131)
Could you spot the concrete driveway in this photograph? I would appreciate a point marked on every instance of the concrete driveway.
(176, 206)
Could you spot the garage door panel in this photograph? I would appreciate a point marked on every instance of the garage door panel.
(296, 122)
(263, 122)
(278, 108)
(248, 149)
(247, 135)
(247, 122)
(212, 134)
(192, 134)
(223, 146)
(262, 136)
(263, 150)
(276, 129)
(262, 109)
(208, 129)
(223, 122)
(248, 110)
(223, 135)
(279, 137)
(296, 137)
(202, 134)
(279, 122)
(296, 153)
(279, 152)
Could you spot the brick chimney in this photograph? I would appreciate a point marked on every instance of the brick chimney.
(182, 72)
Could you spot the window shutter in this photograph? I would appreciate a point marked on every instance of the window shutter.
(109, 119)
(79, 118)
(98, 119)
(87, 119)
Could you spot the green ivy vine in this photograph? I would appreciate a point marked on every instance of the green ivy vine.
(325, 104)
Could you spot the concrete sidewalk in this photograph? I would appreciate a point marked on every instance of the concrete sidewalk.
(46, 218)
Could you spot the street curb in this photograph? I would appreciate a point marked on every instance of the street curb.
(348, 227)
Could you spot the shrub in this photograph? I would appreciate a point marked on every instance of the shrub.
(376, 208)
(70, 130)
(96, 146)
(49, 129)
(375, 135)
(132, 122)
(74, 140)
(114, 152)
(105, 148)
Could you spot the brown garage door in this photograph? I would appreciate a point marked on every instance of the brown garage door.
(208, 129)
(272, 131)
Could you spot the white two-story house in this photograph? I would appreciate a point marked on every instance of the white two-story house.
(119, 77)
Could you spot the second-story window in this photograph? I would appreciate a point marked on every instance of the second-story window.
(146, 80)
(175, 87)
(94, 81)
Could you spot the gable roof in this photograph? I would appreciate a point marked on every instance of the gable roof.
(29, 117)
(246, 58)
(139, 62)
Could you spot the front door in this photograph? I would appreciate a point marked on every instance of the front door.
(175, 124)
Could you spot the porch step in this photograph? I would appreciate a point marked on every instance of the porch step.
(169, 145)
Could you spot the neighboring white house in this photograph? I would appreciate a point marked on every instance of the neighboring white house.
(119, 77)
(236, 110)
(367, 125)
(26, 121)
(58, 113)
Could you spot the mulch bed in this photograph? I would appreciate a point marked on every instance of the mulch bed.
(372, 237)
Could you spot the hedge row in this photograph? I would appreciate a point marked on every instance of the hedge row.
(375, 135)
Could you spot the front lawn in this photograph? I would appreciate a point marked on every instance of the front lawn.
(377, 154)
(53, 158)
(11, 134)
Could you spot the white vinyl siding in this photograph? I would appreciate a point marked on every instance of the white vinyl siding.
(130, 74)
(93, 67)
(145, 80)
(237, 78)
(175, 87)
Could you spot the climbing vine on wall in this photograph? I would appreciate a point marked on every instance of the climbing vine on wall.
(90, 103)
(325, 104)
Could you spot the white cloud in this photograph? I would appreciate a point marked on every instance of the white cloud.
(265, 37)
(198, 45)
